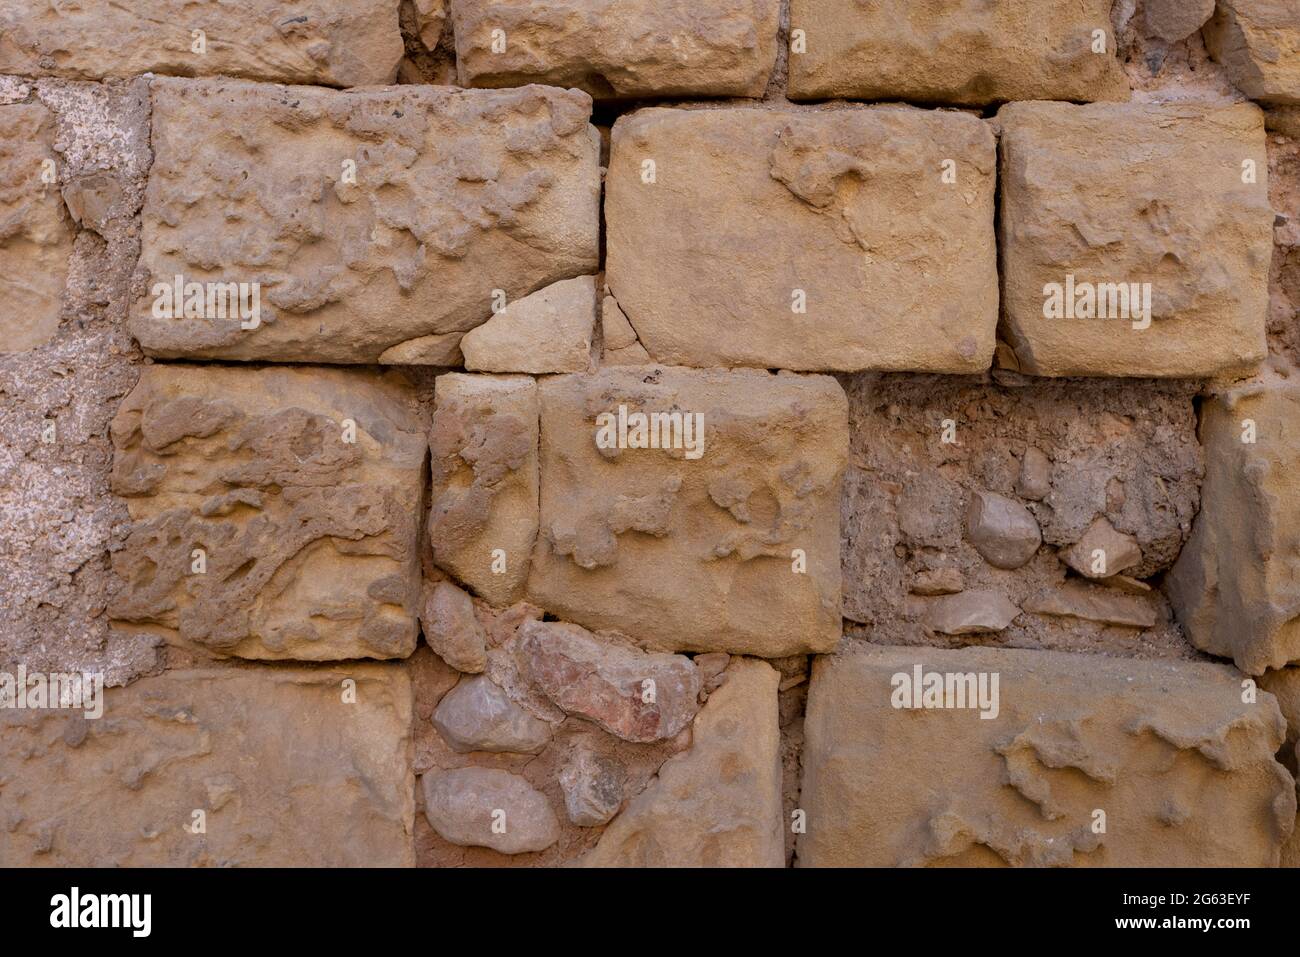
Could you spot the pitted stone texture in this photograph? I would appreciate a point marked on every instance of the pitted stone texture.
(1258, 42)
(309, 540)
(456, 194)
(452, 629)
(694, 553)
(619, 48)
(483, 520)
(1236, 586)
(718, 804)
(1182, 768)
(477, 715)
(488, 807)
(547, 331)
(754, 215)
(329, 42)
(593, 787)
(1136, 193)
(965, 52)
(36, 232)
(632, 694)
(288, 768)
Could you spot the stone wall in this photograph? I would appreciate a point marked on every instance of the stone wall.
(625, 433)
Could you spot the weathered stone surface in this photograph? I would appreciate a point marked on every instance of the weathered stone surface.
(619, 48)
(718, 804)
(954, 51)
(938, 581)
(976, 612)
(806, 241)
(476, 715)
(547, 331)
(295, 491)
(369, 218)
(483, 519)
(487, 807)
(430, 15)
(1002, 530)
(330, 42)
(1258, 42)
(1236, 586)
(35, 231)
(1102, 551)
(593, 787)
(1182, 768)
(616, 330)
(1174, 20)
(452, 629)
(288, 770)
(1097, 198)
(1035, 479)
(635, 695)
(1093, 603)
(728, 542)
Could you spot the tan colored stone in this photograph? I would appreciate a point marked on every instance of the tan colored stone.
(35, 231)
(477, 715)
(430, 15)
(1181, 766)
(719, 803)
(633, 355)
(616, 330)
(694, 548)
(329, 42)
(300, 486)
(954, 51)
(547, 331)
(483, 519)
(436, 350)
(1002, 530)
(458, 196)
(1136, 193)
(489, 807)
(1093, 603)
(1284, 684)
(1102, 551)
(938, 581)
(1236, 585)
(754, 214)
(1258, 42)
(976, 612)
(1174, 20)
(451, 627)
(288, 769)
(619, 48)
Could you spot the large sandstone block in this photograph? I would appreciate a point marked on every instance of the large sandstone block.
(1258, 42)
(1236, 585)
(35, 230)
(367, 219)
(619, 48)
(805, 241)
(331, 42)
(1165, 203)
(275, 511)
(290, 767)
(966, 52)
(726, 539)
(1182, 769)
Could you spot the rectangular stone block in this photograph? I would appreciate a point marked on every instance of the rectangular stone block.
(364, 226)
(288, 767)
(275, 511)
(966, 52)
(330, 42)
(1258, 43)
(619, 48)
(1083, 760)
(693, 510)
(1236, 585)
(855, 238)
(1136, 238)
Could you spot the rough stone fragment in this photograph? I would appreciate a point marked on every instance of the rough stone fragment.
(1236, 585)
(483, 520)
(1002, 530)
(1101, 198)
(593, 787)
(1284, 684)
(941, 51)
(1258, 42)
(635, 695)
(476, 715)
(806, 241)
(1093, 603)
(274, 511)
(435, 350)
(328, 42)
(430, 15)
(35, 231)
(1182, 767)
(452, 629)
(1102, 551)
(463, 805)
(616, 330)
(288, 773)
(1035, 479)
(975, 612)
(938, 581)
(633, 355)
(547, 331)
(1174, 20)
(719, 803)
(725, 538)
(367, 218)
(619, 48)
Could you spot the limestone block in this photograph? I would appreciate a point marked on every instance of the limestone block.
(1258, 42)
(548, 331)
